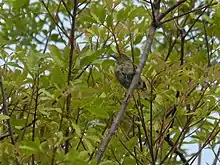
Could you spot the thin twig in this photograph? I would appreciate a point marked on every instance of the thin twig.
(191, 11)
(5, 111)
(211, 136)
(177, 4)
(68, 11)
(54, 20)
(217, 157)
(184, 130)
(35, 113)
(207, 43)
(83, 7)
(130, 152)
(151, 124)
(29, 109)
(177, 151)
(190, 28)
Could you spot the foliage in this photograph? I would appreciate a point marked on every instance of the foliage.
(61, 107)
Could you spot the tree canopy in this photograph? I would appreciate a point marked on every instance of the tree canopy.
(61, 103)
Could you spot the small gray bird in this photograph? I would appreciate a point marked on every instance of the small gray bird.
(125, 70)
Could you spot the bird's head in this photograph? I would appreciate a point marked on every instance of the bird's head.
(121, 58)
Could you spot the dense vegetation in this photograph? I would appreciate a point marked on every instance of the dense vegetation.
(59, 94)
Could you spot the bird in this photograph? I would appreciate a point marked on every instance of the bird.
(125, 70)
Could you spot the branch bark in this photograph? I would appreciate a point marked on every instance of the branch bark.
(135, 80)
(72, 47)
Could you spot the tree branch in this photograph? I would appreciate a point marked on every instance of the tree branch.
(176, 150)
(211, 136)
(162, 15)
(72, 46)
(130, 91)
(217, 157)
(54, 20)
(191, 11)
(5, 111)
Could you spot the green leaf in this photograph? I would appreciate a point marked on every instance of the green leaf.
(56, 55)
(59, 138)
(107, 63)
(109, 20)
(16, 65)
(88, 58)
(138, 38)
(88, 145)
(4, 117)
(20, 3)
(57, 76)
(54, 37)
(102, 14)
(108, 162)
(31, 147)
(103, 95)
(6, 41)
(93, 138)
(43, 91)
(109, 4)
(96, 18)
(98, 111)
(79, 158)
(120, 15)
(208, 19)
(51, 109)
(32, 62)
(129, 161)
(77, 129)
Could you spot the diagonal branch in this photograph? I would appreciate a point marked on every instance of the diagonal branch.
(176, 150)
(211, 136)
(188, 12)
(54, 20)
(217, 157)
(162, 15)
(135, 80)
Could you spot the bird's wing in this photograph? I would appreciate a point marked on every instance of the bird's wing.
(130, 74)
(129, 69)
